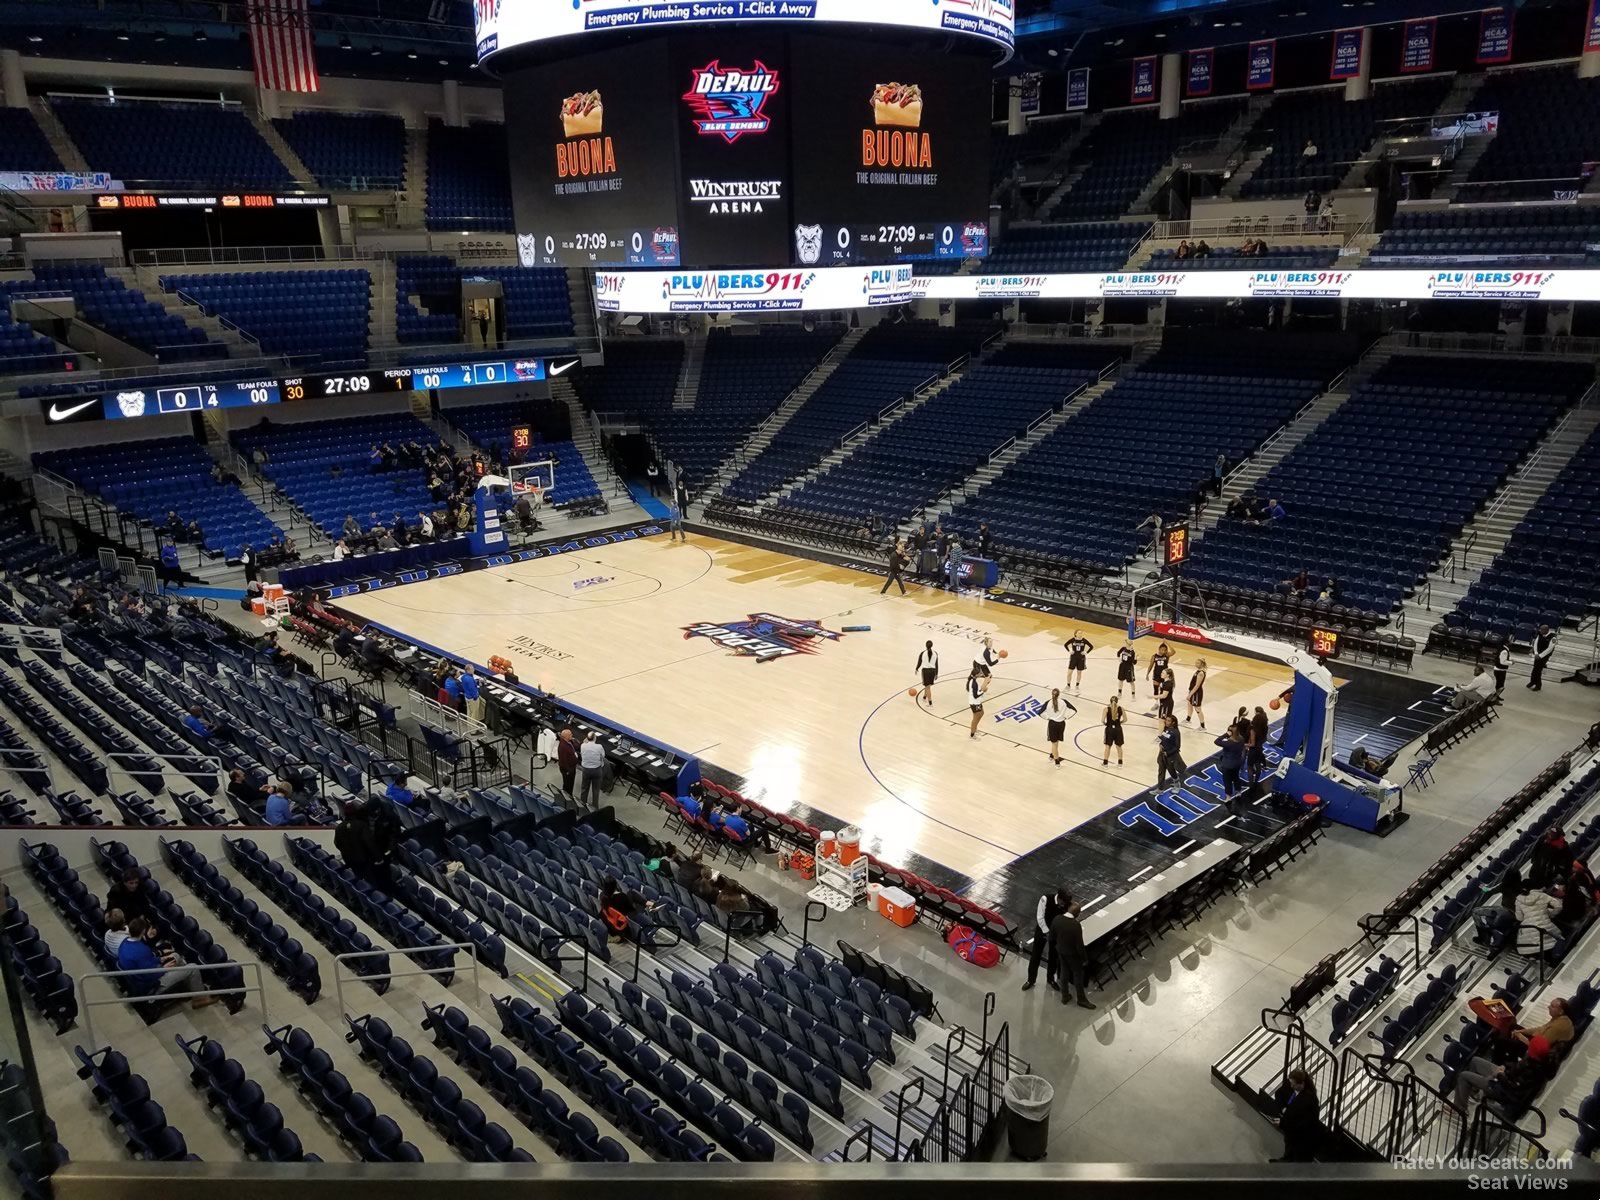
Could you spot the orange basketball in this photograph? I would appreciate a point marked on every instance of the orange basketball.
(1005, 654)
(1275, 704)
(911, 691)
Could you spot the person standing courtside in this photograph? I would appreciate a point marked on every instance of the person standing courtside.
(1197, 694)
(1042, 949)
(1544, 645)
(680, 509)
(1169, 756)
(1077, 648)
(897, 564)
(976, 685)
(928, 670)
(1066, 931)
(592, 761)
(567, 761)
(1502, 665)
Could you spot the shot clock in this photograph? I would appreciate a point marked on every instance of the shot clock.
(1175, 544)
(1324, 643)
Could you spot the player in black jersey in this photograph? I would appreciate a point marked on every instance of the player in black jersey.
(1078, 648)
(1127, 659)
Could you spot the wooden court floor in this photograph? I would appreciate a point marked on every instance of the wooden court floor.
(632, 631)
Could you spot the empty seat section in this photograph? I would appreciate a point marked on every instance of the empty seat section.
(1546, 135)
(1486, 236)
(141, 141)
(1090, 247)
(321, 315)
(469, 184)
(357, 152)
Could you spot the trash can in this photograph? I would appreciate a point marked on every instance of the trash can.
(1028, 1099)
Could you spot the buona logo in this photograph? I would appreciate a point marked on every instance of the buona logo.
(586, 150)
(897, 139)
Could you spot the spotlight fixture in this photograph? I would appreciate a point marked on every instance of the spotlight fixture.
(344, 43)
(122, 35)
(374, 52)
(1054, 53)
(200, 35)
(35, 38)
(412, 54)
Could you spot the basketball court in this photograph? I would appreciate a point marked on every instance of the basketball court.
(738, 654)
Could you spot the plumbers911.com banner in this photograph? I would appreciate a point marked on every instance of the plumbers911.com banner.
(752, 291)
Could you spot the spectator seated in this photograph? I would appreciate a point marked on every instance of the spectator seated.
(1452, 429)
(469, 184)
(1534, 235)
(1233, 258)
(324, 467)
(358, 152)
(298, 313)
(152, 478)
(172, 143)
(489, 426)
(1091, 247)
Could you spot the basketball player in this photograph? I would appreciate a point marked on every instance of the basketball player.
(1127, 659)
(1197, 693)
(984, 660)
(1055, 728)
(928, 669)
(1078, 647)
(897, 562)
(1112, 720)
(976, 686)
(680, 509)
(1158, 665)
(1169, 686)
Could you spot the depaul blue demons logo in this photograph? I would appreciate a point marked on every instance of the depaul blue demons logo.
(764, 637)
(727, 102)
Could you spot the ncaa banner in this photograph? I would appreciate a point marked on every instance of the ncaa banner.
(1416, 46)
(1346, 62)
(1591, 31)
(1028, 95)
(1202, 66)
(1144, 80)
(1261, 65)
(1077, 89)
(1494, 35)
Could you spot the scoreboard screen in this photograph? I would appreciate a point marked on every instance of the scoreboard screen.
(1175, 540)
(891, 151)
(751, 147)
(593, 160)
(184, 398)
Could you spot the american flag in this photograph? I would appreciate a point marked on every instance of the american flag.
(280, 43)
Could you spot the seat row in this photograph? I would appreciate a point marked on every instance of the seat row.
(43, 981)
(373, 1136)
(244, 1106)
(437, 1098)
(125, 1097)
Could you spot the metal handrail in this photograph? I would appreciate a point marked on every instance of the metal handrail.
(921, 1084)
(87, 1005)
(805, 927)
(652, 931)
(340, 959)
(727, 930)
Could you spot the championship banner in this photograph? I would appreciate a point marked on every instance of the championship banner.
(1346, 62)
(1028, 94)
(1261, 65)
(58, 181)
(1591, 30)
(1416, 48)
(1077, 89)
(1202, 66)
(1494, 35)
(1144, 80)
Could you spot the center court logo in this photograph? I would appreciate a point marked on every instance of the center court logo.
(764, 637)
(727, 102)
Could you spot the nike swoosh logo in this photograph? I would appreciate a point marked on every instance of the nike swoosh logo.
(61, 414)
(563, 368)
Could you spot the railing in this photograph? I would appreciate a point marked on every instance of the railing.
(1558, 183)
(960, 1116)
(339, 960)
(1501, 500)
(1500, 343)
(727, 929)
(821, 910)
(87, 1006)
(219, 256)
(1300, 225)
(244, 335)
(1377, 927)
(652, 931)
